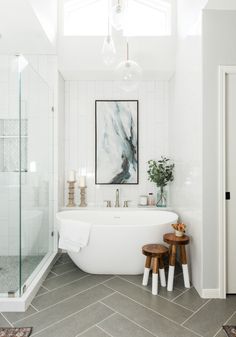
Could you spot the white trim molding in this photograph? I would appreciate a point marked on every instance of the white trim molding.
(223, 72)
(210, 293)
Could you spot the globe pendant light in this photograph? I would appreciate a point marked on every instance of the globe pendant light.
(108, 49)
(128, 73)
(117, 15)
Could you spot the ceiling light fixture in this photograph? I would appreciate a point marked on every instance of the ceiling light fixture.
(117, 15)
(108, 49)
(128, 73)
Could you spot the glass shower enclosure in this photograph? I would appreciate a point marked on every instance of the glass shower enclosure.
(26, 174)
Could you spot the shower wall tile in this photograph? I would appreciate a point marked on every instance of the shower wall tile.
(80, 99)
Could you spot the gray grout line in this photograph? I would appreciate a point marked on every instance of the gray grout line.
(196, 333)
(133, 283)
(52, 305)
(183, 292)
(156, 312)
(31, 305)
(66, 284)
(224, 323)
(6, 319)
(196, 311)
(190, 330)
(135, 323)
(229, 317)
(92, 326)
(71, 315)
(65, 272)
(107, 333)
(44, 287)
(180, 305)
(52, 272)
(63, 264)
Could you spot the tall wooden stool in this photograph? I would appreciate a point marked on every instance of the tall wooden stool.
(174, 242)
(154, 254)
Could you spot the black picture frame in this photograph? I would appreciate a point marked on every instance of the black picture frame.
(96, 142)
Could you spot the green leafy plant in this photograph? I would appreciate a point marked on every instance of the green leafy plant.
(161, 172)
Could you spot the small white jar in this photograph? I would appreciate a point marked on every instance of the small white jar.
(143, 199)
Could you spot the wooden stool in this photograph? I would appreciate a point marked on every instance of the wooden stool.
(174, 242)
(154, 254)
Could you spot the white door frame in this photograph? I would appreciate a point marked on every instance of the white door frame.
(223, 72)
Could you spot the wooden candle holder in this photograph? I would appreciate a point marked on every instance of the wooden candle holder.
(71, 194)
(83, 197)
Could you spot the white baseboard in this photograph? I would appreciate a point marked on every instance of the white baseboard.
(210, 293)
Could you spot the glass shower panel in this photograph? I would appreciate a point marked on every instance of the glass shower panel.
(9, 176)
(36, 174)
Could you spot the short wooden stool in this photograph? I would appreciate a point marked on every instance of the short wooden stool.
(154, 254)
(174, 242)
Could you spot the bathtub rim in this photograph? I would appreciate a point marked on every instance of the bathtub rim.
(115, 210)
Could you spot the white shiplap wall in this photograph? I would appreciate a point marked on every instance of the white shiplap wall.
(80, 133)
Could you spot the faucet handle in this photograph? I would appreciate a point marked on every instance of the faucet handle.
(108, 203)
(126, 203)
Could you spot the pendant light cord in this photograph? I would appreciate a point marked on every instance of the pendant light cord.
(108, 19)
(127, 49)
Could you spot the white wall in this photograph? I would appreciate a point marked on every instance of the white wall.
(221, 4)
(219, 36)
(185, 123)
(61, 141)
(46, 12)
(185, 133)
(80, 133)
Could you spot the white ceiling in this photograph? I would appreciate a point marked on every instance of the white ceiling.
(25, 26)
(21, 30)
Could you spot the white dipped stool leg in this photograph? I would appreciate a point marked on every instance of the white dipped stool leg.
(184, 266)
(171, 271)
(147, 270)
(162, 277)
(170, 278)
(186, 275)
(154, 284)
(146, 276)
(162, 273)
(155, 276)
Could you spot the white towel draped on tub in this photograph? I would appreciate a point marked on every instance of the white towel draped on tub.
(74, 235)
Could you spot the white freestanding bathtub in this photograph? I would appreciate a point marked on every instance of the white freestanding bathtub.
(117, 236)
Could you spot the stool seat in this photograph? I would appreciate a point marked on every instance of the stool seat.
(172, 239)
(177, 242)
(154, 250)
(154, 255)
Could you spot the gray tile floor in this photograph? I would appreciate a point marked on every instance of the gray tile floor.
(72, 303)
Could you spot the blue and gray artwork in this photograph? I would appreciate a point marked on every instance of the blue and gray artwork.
(117, 144)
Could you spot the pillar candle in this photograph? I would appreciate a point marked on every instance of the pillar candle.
(82, 181)
(72, 176)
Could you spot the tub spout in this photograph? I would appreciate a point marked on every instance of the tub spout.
(117, 204)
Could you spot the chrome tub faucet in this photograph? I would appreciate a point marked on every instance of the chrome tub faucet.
(117, 204)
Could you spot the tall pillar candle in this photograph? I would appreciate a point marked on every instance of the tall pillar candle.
(72, 176)
(82, 181)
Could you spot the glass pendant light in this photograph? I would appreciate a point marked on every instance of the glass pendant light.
(128, 73)
(117, 15)
(108, 49)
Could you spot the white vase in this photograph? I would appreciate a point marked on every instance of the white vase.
(178, 233)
